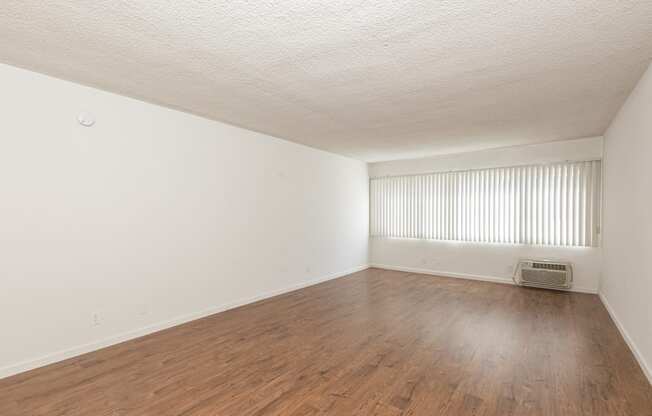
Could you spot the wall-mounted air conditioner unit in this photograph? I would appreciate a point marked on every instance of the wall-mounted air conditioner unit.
(545, 274)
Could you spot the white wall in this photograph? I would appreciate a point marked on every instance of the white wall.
(627, 277)
(580, 149)
(152, 217)
(486, 261)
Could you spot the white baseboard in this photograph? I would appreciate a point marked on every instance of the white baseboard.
(467, 276)
(647, 370)
(126, 336)
(504, 280)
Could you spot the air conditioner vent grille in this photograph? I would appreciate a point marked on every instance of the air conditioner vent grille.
(543, 277)
(549, 266)
(544, 274)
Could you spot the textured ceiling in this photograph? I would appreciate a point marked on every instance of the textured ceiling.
(375, 80)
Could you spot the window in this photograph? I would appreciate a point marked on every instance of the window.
(557, 204)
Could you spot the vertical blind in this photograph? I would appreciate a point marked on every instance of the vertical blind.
(557, 204)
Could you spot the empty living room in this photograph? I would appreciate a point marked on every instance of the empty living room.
(302, 208)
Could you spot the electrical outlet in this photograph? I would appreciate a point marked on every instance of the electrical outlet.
(96, 319)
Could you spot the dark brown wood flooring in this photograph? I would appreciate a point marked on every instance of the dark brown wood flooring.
(373, 343)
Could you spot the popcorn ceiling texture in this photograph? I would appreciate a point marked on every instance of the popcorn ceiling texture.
(375, 80)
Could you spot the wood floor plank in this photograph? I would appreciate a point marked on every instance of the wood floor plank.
(376, 342)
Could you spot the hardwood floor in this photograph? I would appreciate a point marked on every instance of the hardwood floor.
(373, 343)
